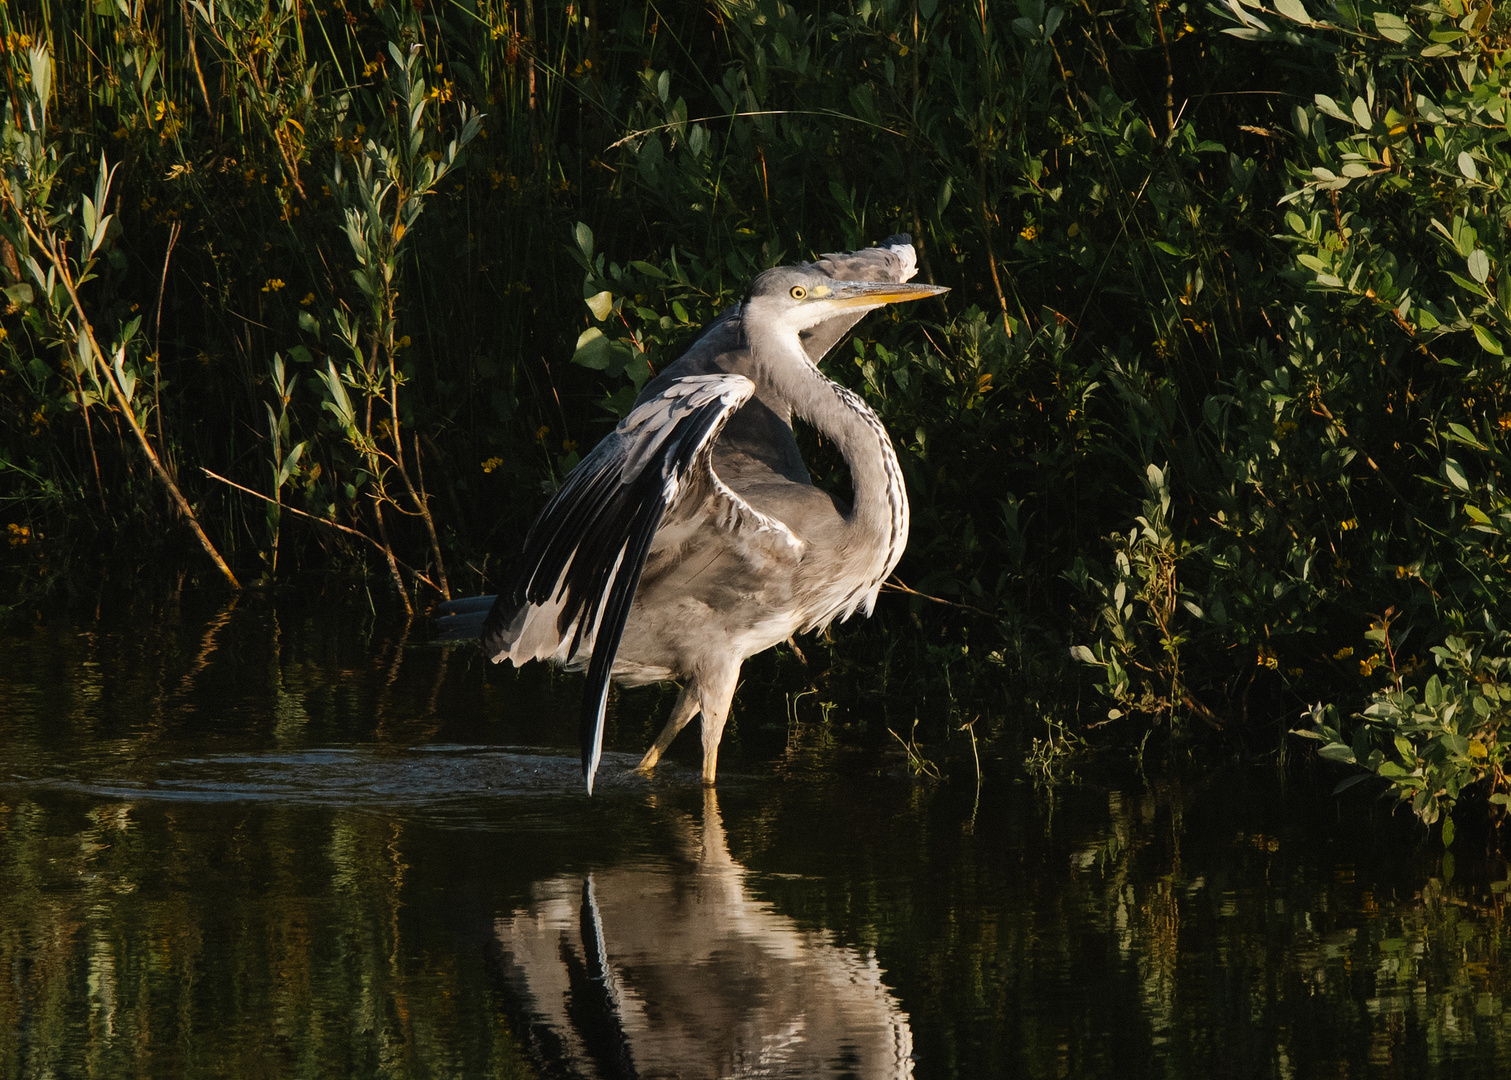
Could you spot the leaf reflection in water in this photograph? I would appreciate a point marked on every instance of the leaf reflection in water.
(636, 971)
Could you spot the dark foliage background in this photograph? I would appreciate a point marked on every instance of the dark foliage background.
(1213, 419)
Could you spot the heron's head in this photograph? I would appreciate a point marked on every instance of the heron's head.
(794, 298)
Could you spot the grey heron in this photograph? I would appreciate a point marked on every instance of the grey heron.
(692, 537)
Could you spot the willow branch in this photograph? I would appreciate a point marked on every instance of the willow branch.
(119, 395)
(897, 586)
(358, 533)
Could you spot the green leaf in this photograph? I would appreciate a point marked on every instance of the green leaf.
(1479, 265)
(1392, 27)
(1487, 342)
(621, 401)
(1459, 433)
(1467, 166)
(601, 304)
(289, 464)
(592, 350)
(1455, 744)
(584, 238)
(1448, 832)
(1455, 475)
(41, 75)
(1330, 107)
(1293, 10)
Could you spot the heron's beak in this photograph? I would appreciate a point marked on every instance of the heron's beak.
(870, 294)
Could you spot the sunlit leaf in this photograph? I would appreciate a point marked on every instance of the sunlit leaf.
(1392, 27)
(600, 304)
(1293, 10)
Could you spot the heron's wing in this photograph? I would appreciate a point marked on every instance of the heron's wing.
(585, 553)
(459, 620)
(891, 260)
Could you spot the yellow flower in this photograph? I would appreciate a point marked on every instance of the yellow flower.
(273, 285)
(1030, 232)
(492, 463)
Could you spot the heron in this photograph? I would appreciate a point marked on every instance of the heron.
(692, 536)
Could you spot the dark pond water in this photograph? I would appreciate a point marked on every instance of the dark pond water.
(272, 840)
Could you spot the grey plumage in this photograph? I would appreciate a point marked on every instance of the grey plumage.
(692, 537)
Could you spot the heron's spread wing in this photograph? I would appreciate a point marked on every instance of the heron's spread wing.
(891, 260)
(460, 620)
(585, 553)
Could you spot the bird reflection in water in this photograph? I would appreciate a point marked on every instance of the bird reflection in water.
(641, 972)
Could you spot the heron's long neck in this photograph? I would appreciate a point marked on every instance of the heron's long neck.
(880, 510)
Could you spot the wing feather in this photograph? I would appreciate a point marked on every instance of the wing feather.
(586, 551)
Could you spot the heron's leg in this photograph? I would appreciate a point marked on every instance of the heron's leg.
(716, 691)
(684, 710)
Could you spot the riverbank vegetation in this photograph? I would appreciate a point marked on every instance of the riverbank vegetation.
(1212, 427)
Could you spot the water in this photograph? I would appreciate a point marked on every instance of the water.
(269, 840)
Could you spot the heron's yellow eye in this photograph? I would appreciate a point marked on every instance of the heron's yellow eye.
(798, 292)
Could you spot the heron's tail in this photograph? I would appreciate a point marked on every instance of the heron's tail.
(462, 620)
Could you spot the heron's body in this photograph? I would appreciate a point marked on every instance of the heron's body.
(692, 537)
